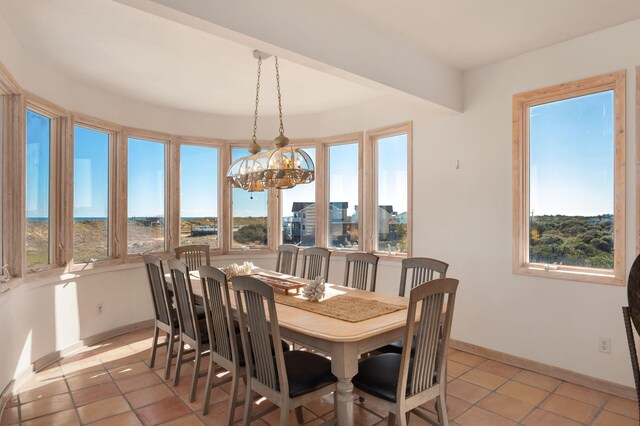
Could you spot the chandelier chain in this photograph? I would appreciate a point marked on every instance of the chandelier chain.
(255, 114)
(279, 96)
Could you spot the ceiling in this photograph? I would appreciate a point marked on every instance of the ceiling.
(470, 33)
(145, 57)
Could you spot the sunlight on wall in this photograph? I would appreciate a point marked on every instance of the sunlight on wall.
(67, 319)
(24, 362)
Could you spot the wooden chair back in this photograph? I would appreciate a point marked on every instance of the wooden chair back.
(222, 337)
(193, 255)
(259, 335)
(161, 299)
(364, 267)
(287, 260)
(437, 301)
(421, 270)
(185, 302)
(315, 262)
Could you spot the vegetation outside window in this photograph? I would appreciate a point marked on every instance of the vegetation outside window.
(250, 222)
(38, 149)
(90, 194)
(570, 180)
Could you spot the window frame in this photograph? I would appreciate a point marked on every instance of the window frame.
(114, 132)
(327, 143)
(371, 177)
(170, 146)
(59, 193)
(222, 172)
(520, 250)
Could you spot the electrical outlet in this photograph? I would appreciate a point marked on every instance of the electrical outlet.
(99, 307)
(604, 345)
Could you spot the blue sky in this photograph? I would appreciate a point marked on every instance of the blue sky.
(91, 173)
(146, 178)
(37, 165)
(198, 181)
(572, 156)
(299, 193)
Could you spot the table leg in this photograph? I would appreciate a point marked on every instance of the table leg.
(344, 399)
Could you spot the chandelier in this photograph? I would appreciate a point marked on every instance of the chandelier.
(281, 167)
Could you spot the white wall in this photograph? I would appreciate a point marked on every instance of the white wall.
(461, 216)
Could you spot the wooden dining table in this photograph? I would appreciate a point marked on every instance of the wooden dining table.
(343, 341)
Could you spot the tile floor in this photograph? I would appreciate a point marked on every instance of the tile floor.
(111, 384)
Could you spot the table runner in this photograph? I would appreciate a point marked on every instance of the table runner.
(342, 307)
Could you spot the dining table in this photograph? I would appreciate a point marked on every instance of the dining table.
(343, 341)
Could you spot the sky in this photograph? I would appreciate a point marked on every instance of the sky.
(572, 156)
(37, 165)
(198, 166)
(90, 173)
(145, 178)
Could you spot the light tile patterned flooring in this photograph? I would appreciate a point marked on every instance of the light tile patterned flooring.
(111, 384)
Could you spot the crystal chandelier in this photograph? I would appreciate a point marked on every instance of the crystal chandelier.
(281, 167)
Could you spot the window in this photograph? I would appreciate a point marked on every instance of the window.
(249, 216)
(146, 194)
(569, 180)
(343, 175)
(90, 194)
(199, 195)
(299, 211)
(37, 186)
(391, 202)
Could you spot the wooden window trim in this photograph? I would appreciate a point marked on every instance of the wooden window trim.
(521, 103)
(372, 136)
(59, 184)
(222, 172)
(115, 132)
(170, 146)
(328, 142)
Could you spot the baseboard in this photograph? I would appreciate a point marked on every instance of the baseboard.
(549, 370)
(48, 359)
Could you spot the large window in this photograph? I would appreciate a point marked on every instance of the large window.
(90, 194)
(570, 183)
(391, 198)
(37, 185)
(343, 175)
(199, 222)
(249, 216)
(299, 211)
(146, 194)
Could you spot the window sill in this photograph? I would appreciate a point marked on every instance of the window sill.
(587, 275)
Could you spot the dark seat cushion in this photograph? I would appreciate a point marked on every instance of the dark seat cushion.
(378, 376)
(307, 372)
(396, 347)
(285, 348)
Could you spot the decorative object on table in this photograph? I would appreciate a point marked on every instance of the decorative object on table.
(314, 291)
(632, 313)
(281, 167)
(285, 284)
(235, 270)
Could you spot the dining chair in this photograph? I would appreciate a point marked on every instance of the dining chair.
(287, 379)
(421, 270)
(165, 316)
(315, 262)
(287, 260)
(193, 331)
(193, 255)
(223, 341)
(400, 382)
(365, 267)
